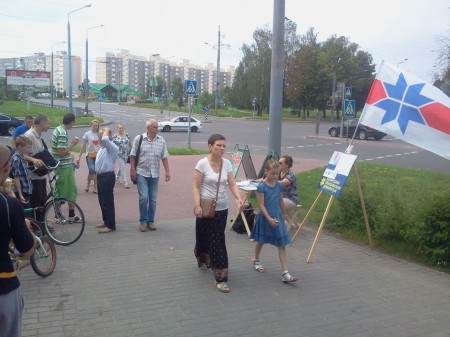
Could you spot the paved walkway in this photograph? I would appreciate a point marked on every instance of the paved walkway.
(130, 283)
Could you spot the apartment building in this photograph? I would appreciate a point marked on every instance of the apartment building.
(138, 72)
(42, 62)
(122, 68)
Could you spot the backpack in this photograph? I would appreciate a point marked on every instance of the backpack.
(249, 213)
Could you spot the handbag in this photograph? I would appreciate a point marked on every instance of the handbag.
(209, 205)
(48, 160)
(92, 154)
(136, 159)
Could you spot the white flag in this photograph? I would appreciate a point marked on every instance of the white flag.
(407, 107)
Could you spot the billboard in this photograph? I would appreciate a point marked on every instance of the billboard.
(27, 80)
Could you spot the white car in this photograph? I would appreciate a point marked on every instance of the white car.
(180, 123)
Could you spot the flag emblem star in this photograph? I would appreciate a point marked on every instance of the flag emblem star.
(401, 102)
(407, 107)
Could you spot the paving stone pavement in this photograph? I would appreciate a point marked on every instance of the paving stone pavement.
(137, 284)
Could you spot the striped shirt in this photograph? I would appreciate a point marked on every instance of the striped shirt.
(60, 140)
(150, 155)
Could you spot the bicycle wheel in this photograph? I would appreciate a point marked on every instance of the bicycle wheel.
(62, 228)
(43, 260)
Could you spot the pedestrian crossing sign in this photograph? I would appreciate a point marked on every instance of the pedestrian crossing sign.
(191, 87)
(349, 108)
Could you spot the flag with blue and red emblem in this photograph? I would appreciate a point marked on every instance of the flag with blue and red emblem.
(407, 107)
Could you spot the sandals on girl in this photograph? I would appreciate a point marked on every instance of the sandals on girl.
(222, 287)
(287, 278)
(258, 266)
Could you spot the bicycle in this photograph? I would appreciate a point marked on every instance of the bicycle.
(43, 260)
(63, 219)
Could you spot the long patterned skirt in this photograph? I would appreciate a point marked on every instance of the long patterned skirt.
(210, 247)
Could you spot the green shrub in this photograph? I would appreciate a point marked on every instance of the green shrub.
(431, 235)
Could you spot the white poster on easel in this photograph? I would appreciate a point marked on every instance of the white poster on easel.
(337, 172)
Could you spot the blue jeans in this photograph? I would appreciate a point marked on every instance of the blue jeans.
(148, 190)
(90, 164)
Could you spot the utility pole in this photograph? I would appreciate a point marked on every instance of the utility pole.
(276, 80)
(217, 95)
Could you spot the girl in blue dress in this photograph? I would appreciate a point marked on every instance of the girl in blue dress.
(269, 225)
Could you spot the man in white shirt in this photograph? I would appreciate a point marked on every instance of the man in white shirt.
(39, 194)
(152, 151)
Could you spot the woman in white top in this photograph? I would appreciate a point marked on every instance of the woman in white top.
(90, 147)
(210, 249)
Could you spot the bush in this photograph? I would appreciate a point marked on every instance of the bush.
(432, 235)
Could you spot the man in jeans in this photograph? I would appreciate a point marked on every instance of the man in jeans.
(12, 227)
(152, 150)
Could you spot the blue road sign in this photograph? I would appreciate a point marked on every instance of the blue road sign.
(349, 108)
(348, 92)
(191, 87)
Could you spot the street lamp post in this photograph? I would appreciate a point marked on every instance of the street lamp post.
(333, 89)
(69, 51)
(402, 61)
(86, 80)
(52, 89)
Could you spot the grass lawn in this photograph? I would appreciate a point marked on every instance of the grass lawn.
(55, 115)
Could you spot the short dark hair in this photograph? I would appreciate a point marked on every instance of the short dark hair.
(28, 118)
(288, 159)
(214, 138)
(68, 118)
(40, 118)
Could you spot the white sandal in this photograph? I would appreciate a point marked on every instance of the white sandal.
(222, 287)
(258, 266)
(288, 278)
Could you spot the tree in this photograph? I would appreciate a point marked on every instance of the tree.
(252, 76)
(303, 84)
(442, 66)
(177, 89)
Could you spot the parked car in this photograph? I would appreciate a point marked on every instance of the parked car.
(363, 131)
(8, 124)
(180, 123)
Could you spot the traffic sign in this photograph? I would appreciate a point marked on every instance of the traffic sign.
(349, 108)
(348, 92)
(191, 87)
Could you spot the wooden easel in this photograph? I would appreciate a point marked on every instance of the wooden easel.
(325, 216)
(241, 156)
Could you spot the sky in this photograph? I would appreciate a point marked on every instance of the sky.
(391, 30)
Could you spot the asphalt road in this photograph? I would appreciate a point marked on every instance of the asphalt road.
(298, 138)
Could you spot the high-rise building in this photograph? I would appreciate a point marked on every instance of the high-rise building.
(42, 62)
(123, 68)
(139, 72)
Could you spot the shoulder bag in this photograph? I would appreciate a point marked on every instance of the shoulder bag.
(48, 160)
(136, 158)
(209, 205)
